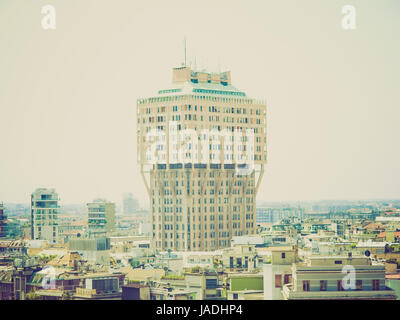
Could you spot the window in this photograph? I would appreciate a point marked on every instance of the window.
(211, 284)
(306, 285)
(338, 262)
(235, 296)
(375, 284)
(283, 255)
(287, 278)
(358, 284)
(323, 285)
(339, 285)
(278, 281)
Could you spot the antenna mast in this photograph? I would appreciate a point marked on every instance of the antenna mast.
(184, 46)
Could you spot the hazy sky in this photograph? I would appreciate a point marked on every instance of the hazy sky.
(68, 96)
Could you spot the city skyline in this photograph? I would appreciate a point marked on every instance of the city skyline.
(68, 106)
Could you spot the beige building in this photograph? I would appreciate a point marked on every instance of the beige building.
(101, 218)
(44, 215)
(202, 150)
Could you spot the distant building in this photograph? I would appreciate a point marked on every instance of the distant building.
(165, 293)
(13, 248)
(274, 215)
(76, 285)
(135, 291)
(101, 218)
(96, 251)
(44, 215)
(99, 288)
(245, 286)
(130, 204)
(241, 257)
(194, 285)
(3, 221)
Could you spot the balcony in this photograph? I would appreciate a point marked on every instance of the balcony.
(384, 294)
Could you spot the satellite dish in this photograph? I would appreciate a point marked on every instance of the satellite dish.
(367, 253)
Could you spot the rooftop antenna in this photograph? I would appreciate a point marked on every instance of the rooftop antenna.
(184, 47)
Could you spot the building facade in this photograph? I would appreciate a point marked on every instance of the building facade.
(130, 204)
(338, 278)
(95, 251)
(101, 218)
(3, 221)
(274, 215)
(44, 215)
(201, 150)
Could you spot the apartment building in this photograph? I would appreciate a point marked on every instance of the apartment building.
(245, 286)
(3, 221)
(201, 150)
(338, 278)
(93, 250)
(130, 203)
(278, 272)
(99, 288)
(44, 215)
(274, 215)
(101, 218)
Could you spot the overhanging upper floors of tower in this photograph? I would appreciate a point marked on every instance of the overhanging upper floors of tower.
(200, 115)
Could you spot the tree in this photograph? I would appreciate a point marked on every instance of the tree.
(32, 296)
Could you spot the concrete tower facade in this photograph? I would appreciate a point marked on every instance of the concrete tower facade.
(201, 150)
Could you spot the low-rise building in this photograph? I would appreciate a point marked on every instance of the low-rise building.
(245, 286)
(338, 278)
(135, 291)
(99, 288)
(278, 272)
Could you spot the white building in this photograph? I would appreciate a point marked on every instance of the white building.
(44, 215)
(278, 272)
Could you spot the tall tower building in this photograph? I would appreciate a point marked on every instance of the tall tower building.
(44, 215)
(101, 218)
(3, 221)
(201, 150)
(130, 204)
